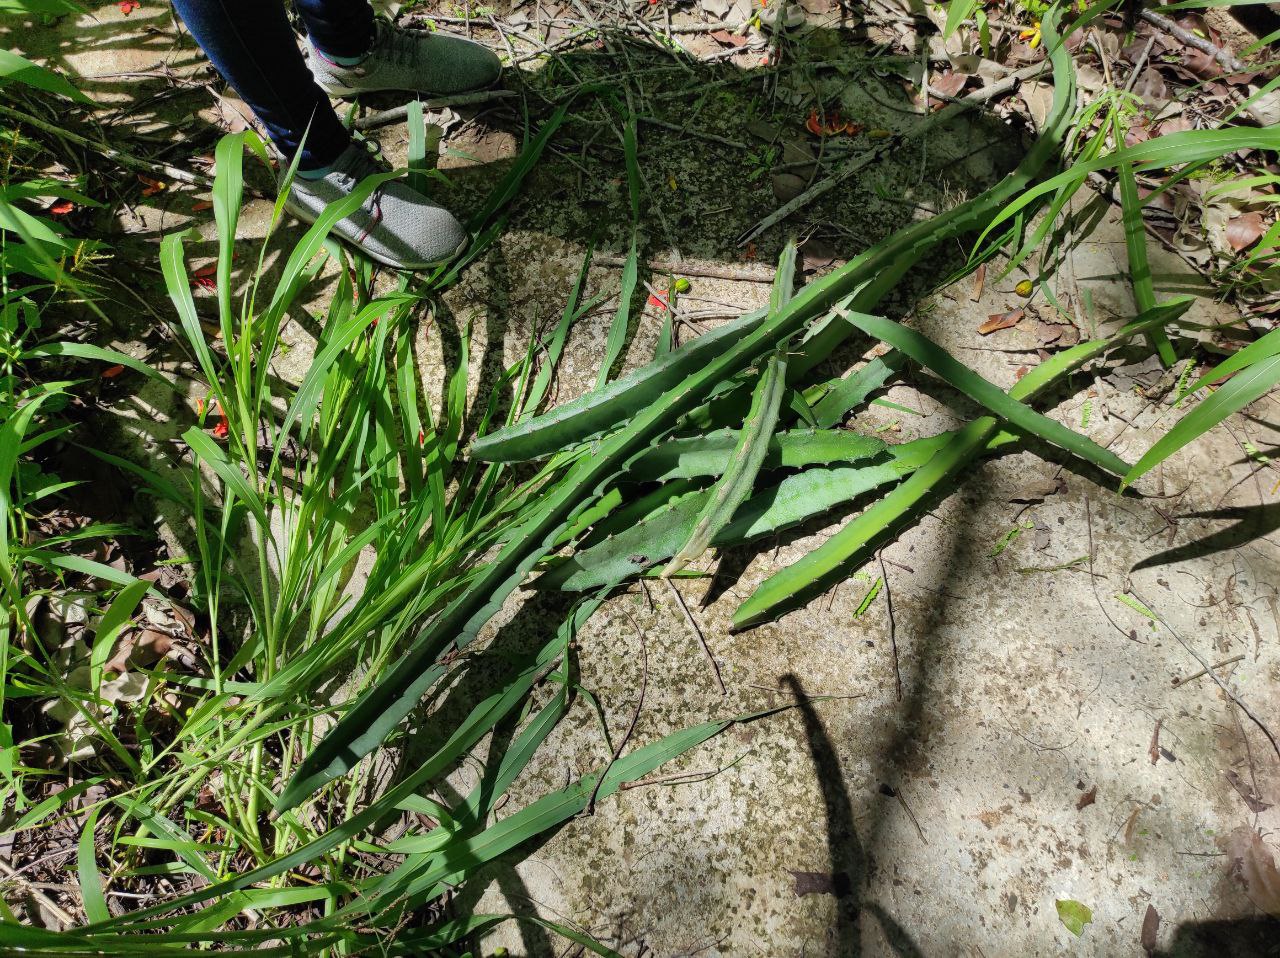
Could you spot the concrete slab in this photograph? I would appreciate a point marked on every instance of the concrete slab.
(1026, 744)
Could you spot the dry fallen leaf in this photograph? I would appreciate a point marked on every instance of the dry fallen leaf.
(816, 254)
(949, 83)
(729, 39)
(1001, 321)
(1048, 333)
(1243, 231)
(1250, 861)
(979, 278)
(1150, 929)
(1246, 793)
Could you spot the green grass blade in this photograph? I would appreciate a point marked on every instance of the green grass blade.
(814, 573)
(229, 473)
(509, 186)
(173, 264)
(227, 193)
(542, 381)
(99, 353)
(617, 338)
(1135, 241)
(929, 354)
(1174, 149)
(95, 902)
(109, 627)
(403, 886)
(1241, 389)
(431, 940)
(18, 69)
(1262, 348)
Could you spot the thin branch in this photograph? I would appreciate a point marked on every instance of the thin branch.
(437, 103)
(715, 666)
(1191, 40)
(1209, 671)
(635, 715)
(893, 628)
(862, 160)
(110, 152)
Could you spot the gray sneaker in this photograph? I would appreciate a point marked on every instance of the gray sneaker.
(396, 225)
(400, 59)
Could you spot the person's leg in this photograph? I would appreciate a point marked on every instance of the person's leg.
(252, 45)
(254, 48)
(341, 30)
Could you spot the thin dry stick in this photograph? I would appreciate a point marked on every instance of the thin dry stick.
(676, 127)
(715, 667)
(1179, 683)
(893, 628)
(110, 152)
(1209, 671)
(861, 160)
(635, 715)
(1191, 40)
(54, 908)
(743, 275)
(437, 103)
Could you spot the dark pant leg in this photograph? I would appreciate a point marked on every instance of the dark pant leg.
(253, 47)
(339, 28)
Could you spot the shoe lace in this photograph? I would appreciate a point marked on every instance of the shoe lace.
(398, 45)
(367, 163)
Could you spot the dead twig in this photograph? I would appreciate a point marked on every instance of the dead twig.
(124, 159)
(1209, 671)
(744, 274)
(710, 137)
(437, 103)
(893, 628)
(1179, 683)
(862, 160)
(54, 908)
(635, 715)
(715, 666)
(1191, 40)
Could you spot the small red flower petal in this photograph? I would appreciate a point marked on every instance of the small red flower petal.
(221, 429)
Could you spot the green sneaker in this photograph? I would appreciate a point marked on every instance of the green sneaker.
(434, 64)
(396, 225)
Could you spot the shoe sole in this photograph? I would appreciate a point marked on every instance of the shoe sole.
(307, 217)
(343, 91)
